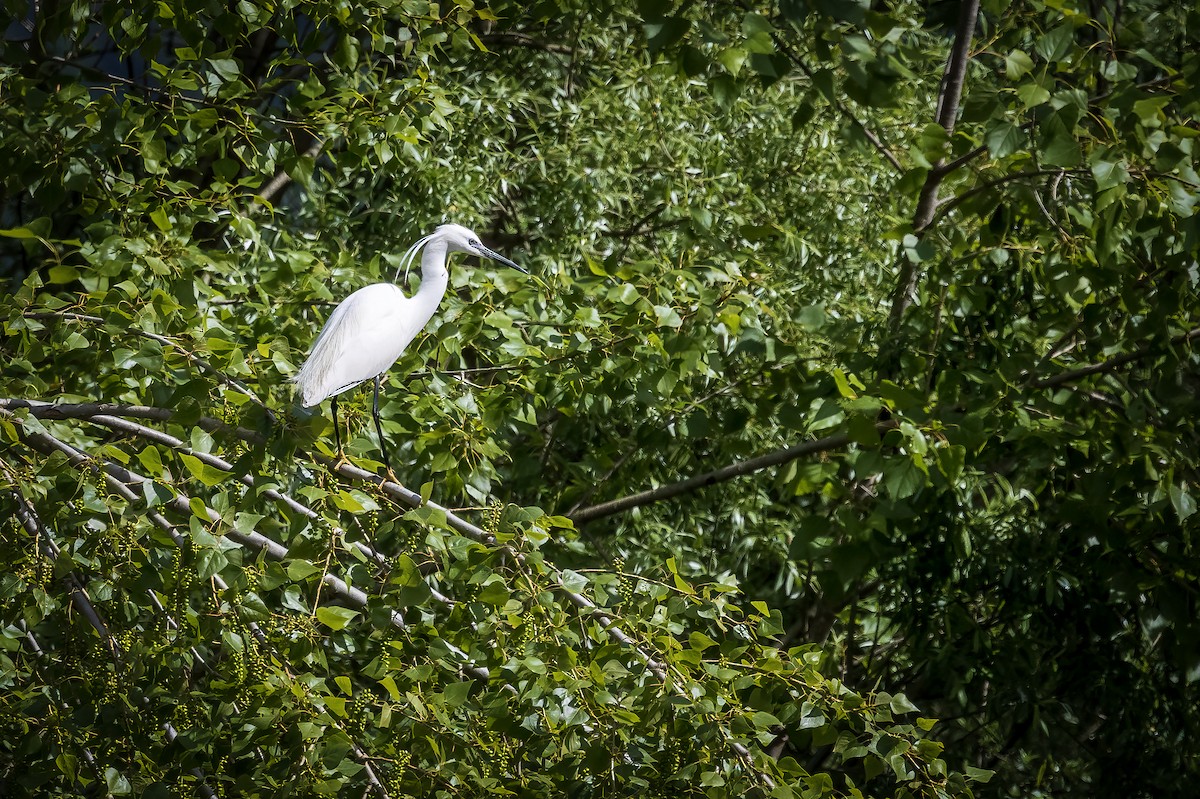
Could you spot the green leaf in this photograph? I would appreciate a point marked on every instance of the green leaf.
(62, 273)
(456, 693)
(209, 475)
(732, 59)
(1032, 95)
(903, 478)
(573, 581)
(160, 219)
(665, 32)
(1004, 139)
(980, 775)
(951, 460)
(151, 461)
(1055, 44)
(1182, 501)
(494, 593)
(1119, 71)
(335, 618)
(764, 720)
(1109, 174)
(843, 384)
(1017, 64)
(301, 569)
(725, 90)
(667, 317)
(1061, 149)
(812, 317)
(1150, 110)
(901, 704)
(227, 68)
(116, 782)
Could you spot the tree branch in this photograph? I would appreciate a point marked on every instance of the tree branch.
(58, 411)
(944, 208)
(949, 98)
(119, 480)
(827, 444)
(123, 477)
(282, 178)
(717, 476)
(956, 67)
(1109, 365)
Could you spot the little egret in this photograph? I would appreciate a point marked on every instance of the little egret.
(371, 328)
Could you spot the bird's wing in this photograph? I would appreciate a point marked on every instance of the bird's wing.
(365, 335)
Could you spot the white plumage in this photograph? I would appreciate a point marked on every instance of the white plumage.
(364, 336)
(372, 327)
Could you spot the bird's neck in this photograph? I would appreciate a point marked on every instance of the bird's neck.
(434, 275)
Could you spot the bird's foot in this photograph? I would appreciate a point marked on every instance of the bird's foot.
(390, 477)
(339, 462)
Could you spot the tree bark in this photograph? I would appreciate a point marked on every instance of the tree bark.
(949, 98)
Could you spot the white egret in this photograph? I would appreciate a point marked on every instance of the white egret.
(371, 328)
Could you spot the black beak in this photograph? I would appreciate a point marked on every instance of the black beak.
(495, 256)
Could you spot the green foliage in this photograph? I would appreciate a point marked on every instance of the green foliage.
(749, 227)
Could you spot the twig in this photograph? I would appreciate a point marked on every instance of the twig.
(607, 622)
(191, 356)
(525, 40)
(718, 475)
(945, 207)
(1109, 365)
(121, 478)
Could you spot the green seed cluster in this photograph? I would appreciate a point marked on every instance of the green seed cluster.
(110, 690)
(626, 587)
(533, 627)
(185, 582)
(495, 513)
(412, 539)
(392, 780)
(357, 718)
(252, 572)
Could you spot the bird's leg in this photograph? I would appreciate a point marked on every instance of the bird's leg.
(337, 436)
(379, 431)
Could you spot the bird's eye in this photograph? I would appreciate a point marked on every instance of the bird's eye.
(473, 242)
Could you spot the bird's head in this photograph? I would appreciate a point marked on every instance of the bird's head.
(461, 239)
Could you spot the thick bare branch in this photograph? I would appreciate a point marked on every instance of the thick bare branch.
(86, 410)
(950, 94)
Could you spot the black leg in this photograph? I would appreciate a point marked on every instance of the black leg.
(337, 430)
(379, 427)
